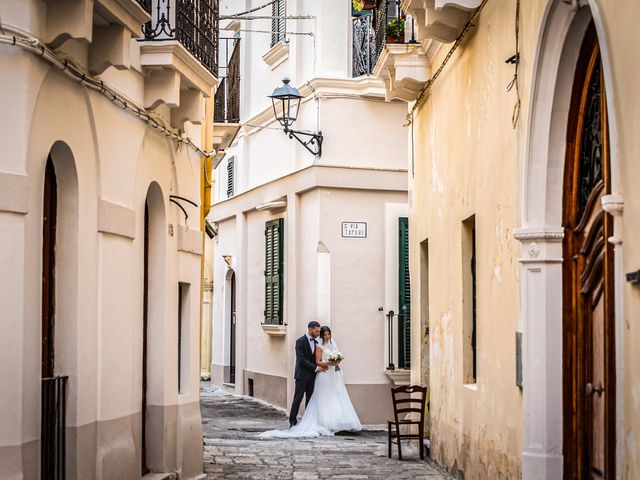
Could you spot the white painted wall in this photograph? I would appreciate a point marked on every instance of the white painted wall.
(338, 281)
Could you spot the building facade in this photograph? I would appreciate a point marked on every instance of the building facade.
(304, 237)
(104, 129)
(523, 219)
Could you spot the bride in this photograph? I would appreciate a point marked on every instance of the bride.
(330, 409)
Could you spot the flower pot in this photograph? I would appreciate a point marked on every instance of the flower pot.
(395, 38)
(369, 4)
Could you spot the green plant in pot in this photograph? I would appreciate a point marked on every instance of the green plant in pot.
(395, 31)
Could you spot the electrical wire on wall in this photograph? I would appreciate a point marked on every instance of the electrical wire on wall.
(252, 10)
(32, 44)
(516, 61)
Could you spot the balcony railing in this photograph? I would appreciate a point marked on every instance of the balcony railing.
(364, 46)
(194, 23)
(146, 4)
(403, 324)
(371, 32)
(227, 101)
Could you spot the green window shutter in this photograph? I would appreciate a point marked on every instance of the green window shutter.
(404, 303)
(274, 272)
(277, 24)
(230, 177)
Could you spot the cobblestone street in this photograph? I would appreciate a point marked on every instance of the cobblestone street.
(232, 448)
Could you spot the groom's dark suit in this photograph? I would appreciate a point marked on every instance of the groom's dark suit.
(305, 375)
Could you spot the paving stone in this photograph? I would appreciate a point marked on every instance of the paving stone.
(233, 449)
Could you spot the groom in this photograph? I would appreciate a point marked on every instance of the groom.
(306, 369)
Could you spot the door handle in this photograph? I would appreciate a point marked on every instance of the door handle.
(590, 389)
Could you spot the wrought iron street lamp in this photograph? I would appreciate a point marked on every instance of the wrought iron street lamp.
(286, 103)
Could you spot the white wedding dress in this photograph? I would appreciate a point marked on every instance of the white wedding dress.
(330, 409)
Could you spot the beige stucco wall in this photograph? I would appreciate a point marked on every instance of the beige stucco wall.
(465, 165)
(105, 161)
(469, 160)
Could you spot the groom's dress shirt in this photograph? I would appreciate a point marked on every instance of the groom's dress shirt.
(312, 343)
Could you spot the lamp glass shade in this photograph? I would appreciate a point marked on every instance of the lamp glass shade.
(286, 103)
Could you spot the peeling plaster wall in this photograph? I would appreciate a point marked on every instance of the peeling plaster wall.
(466, 163)
(469, 160)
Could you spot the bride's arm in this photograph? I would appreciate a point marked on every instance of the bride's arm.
(319, 361)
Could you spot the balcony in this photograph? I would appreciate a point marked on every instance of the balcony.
(227, 99)
(384, 23)
(227, 102)
(194, 23)
(179, 56)
(404, 68)
(440, 20)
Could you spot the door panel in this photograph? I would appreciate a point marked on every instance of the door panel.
(589, 343)
(232, 334)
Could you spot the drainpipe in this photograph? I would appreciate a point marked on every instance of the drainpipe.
(206, 182)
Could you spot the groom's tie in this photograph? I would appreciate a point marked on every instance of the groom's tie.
(315, 344)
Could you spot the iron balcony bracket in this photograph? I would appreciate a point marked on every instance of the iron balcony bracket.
(315, 140)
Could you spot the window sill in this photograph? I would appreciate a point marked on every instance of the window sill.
(275, 330)
(471, 386)
(277, 55)
(399, 376)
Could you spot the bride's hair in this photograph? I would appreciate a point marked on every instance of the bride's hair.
(324, 330)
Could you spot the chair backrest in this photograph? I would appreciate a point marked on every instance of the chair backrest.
(409, 399)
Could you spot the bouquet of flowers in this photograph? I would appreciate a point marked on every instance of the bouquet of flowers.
(336, 357)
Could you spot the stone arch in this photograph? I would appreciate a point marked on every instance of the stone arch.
(59, 287)
(563, 28)
(230, 325)
(154, 354)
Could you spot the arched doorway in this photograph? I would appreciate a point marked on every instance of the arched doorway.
(568, 420)
(58, 403)
(152, 323)
(588, 281)
(231, 283)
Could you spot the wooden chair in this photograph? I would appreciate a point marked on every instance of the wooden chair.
(405, 401)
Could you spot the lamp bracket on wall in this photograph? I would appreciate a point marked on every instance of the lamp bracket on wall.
(314, 139)
(175, 198)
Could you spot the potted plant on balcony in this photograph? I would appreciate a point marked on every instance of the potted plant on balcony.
(395, 31)
(356, 7)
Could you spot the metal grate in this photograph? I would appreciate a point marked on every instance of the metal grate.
(146, 4)
(364, 46)
(53, 423)
(196, 27)
(227, 100)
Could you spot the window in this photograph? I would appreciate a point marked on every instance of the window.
(274, 272)
(404, 303)
(230, 177)
(278, 9)
(183, 337)
(469, 303)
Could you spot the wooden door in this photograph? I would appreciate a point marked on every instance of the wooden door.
(589, 344)
(232, 333)
(49, 220)
(145, 315)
